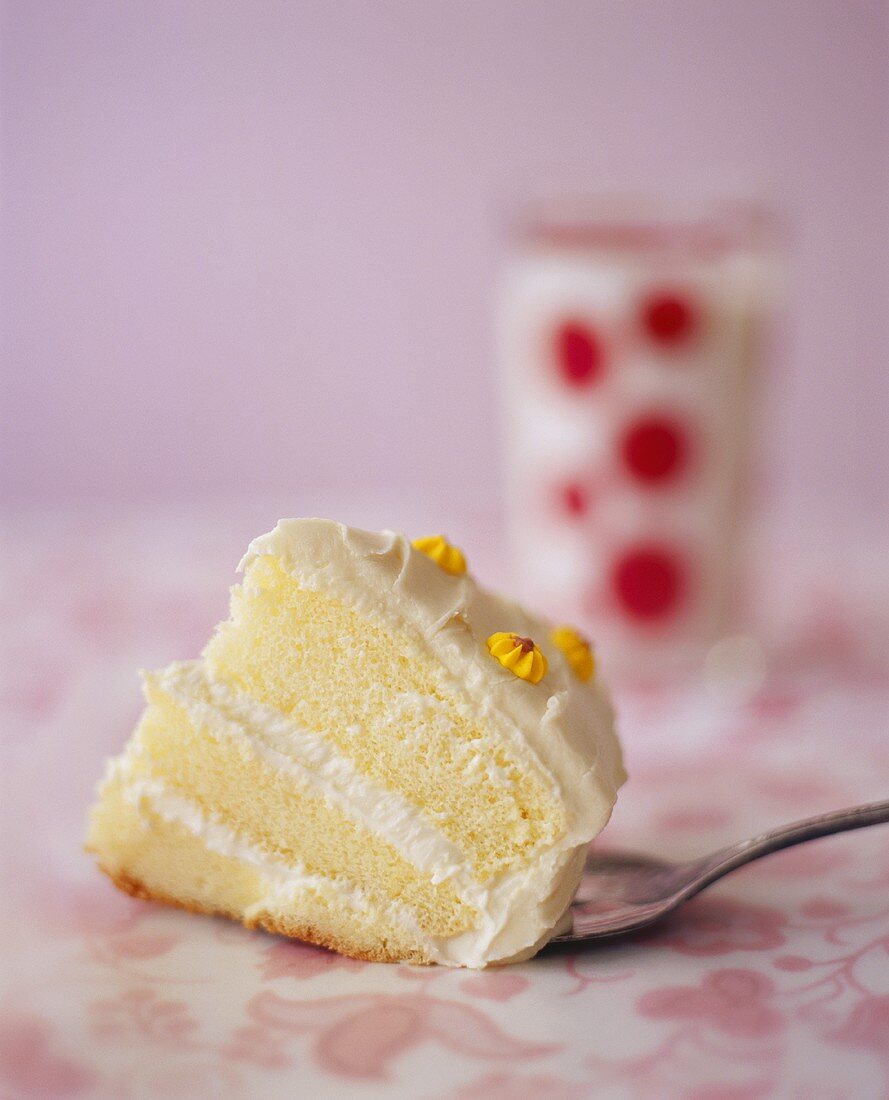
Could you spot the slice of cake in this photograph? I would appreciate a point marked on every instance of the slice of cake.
(374, 754)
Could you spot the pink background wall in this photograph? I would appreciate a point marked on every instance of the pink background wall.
(252, 246)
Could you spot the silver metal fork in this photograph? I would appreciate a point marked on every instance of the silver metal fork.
(621, 891)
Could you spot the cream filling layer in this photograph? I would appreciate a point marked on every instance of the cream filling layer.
(312, 761)
(517, 910)
(285, 880)
(514, 924)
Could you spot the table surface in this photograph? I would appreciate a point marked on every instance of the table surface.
(773, 983)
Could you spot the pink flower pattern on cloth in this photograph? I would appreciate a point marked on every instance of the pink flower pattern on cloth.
(774, 983)
(735, 1002)
(718, 926)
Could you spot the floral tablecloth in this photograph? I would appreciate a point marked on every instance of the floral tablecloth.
(773, 983)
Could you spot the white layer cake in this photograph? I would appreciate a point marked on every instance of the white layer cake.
(374, 754)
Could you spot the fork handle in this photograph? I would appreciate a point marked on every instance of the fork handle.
(720, 863)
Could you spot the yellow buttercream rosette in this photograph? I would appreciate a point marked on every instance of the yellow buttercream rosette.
(578, 651)
(520, 655)
(447, 557)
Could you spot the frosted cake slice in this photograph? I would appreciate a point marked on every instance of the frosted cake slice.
(373, 753)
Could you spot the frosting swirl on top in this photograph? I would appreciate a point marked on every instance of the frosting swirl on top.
(520, 655)
(448, 556)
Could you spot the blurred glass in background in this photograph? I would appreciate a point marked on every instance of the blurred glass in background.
(631, 335)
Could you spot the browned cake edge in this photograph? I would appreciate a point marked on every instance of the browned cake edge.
(293, 930)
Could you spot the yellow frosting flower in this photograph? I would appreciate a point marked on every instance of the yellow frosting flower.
(577, 650)
(520, 655)
(448, 557)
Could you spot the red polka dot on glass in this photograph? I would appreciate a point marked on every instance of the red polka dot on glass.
(574, 499)
(648, 582)
(669, 318)
(655, 449)
(578, 354)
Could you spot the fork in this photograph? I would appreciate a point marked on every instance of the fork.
(621, 891)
